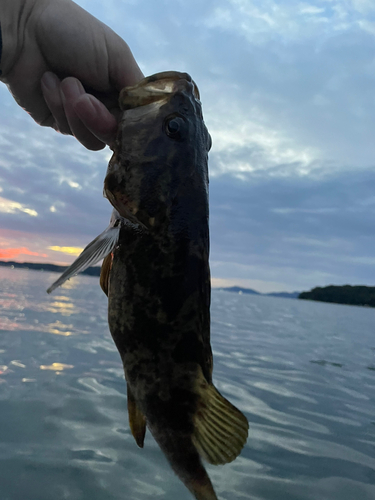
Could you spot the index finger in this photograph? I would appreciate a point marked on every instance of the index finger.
(97, 118)
(72, 91)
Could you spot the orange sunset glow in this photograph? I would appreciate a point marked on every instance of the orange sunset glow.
(10, 253)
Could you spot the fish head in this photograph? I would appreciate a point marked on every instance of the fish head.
(161, 149)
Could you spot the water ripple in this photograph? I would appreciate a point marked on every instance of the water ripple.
(302, 372)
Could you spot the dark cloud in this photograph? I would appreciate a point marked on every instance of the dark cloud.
(40, 170)
(296, 229)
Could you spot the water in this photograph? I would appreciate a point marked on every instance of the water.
(302, 372)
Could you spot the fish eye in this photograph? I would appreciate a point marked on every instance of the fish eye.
(173, 127)
(209, 142)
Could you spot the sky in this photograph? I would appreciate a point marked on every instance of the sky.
(288, 94)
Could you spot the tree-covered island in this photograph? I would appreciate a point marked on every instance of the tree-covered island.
(346, 294)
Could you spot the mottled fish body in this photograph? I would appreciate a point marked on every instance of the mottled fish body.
(157, 278)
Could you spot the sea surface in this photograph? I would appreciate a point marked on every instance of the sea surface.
(302, 372)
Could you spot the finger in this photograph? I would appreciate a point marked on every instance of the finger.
(26, 90)
(71, 91)
(96, 117)
(109, 99)
(50, 84)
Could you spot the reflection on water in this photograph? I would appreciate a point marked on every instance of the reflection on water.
(302, 372)
(57, 367)
(63, 308)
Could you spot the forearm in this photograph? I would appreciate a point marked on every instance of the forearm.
(14, 17)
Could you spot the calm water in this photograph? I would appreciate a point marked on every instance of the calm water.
(302, 372)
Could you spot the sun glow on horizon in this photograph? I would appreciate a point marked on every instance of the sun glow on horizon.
(67, 250)
(10, 253)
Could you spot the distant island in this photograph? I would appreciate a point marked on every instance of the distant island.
(345, 294)
(238, 289)
(95, 271)
(91, 271)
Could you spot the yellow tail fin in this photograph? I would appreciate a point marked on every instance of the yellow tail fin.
(220, 429)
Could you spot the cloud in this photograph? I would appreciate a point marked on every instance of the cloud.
(10, 253)
(68, 250)
(296, 231)
(49, 175)
(289, 20)
(282, 82)
(11, 207)
(15, 239)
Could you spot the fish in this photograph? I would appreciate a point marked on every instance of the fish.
(156, 275)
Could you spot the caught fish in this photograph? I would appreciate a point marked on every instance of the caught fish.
(157, 278)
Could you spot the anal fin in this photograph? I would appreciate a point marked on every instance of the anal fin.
(220, 429)
(137, 421)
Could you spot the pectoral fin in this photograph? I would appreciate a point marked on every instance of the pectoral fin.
(137, 421)
(99, 248)
(104, 273)
(220, 429)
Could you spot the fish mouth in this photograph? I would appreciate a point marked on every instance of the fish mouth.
(157, 88)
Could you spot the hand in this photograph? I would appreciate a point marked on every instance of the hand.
(65, 68)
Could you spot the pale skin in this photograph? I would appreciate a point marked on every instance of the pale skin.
(65, 68)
